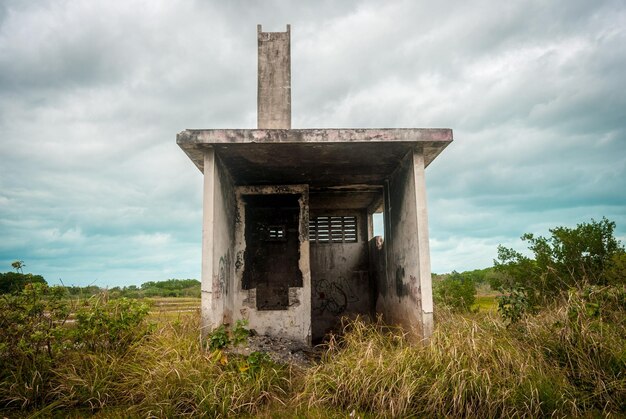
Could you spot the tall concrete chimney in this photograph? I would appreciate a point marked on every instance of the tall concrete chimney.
(274, 85)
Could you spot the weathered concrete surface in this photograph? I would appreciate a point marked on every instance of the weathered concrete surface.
(294, 322)
(439, 136)
(274, 83)
(318, 157)
(339, 276)
(218, 235)
(210, 316)
(353, 170)
(423, 245)
(405, 295)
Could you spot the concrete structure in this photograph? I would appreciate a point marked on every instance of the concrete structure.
(287, 238)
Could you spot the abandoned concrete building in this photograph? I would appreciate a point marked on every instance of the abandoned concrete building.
(287, 238)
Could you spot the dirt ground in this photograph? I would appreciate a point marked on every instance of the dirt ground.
(281, 350)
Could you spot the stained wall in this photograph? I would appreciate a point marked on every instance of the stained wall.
(294, 322)
(405, 291)
(218, 239)
(340, 277)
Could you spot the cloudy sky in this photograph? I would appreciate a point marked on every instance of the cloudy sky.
(94, 189)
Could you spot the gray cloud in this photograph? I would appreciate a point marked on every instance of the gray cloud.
(92, 93)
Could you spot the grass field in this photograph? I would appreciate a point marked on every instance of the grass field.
(486, 303)
(566, 361)
(173, 308)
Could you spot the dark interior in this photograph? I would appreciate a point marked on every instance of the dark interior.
(272, 249)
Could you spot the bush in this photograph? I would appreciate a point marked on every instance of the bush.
(585, 335)
(456, 292)
(515, 305)
(32, 336)
(111, 325)
(36, 341)
(12, 282)
(569, 258)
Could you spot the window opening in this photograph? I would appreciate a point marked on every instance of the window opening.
(333, 229)
(276, 233)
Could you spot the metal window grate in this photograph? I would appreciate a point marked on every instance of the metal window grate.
(333, 229)
(276, 233)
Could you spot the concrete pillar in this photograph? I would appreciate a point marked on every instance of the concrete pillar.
(210, 318)
(274, 84)
(423, 247)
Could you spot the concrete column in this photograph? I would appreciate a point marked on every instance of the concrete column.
(210, 318)
(274, 84)
(423, 243)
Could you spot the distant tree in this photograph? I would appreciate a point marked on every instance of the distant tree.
(12, 282)
(570, 257)
(456, 291)
(18, 265)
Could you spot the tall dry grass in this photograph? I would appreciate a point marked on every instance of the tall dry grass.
(167, 374)
(469, 368)
(568, 361)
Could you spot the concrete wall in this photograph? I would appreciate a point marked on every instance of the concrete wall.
(340, 278)
(405, 292)
(218, 240)
(274, 83)
(295, 322)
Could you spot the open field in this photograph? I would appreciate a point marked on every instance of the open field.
(173, 308)
(555, 364)
(485, 303)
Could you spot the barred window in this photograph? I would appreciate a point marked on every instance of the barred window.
(333, 229)
(276, 233)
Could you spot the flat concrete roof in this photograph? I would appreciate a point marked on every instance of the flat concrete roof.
(318, 157)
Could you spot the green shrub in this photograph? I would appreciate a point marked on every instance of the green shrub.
(585, 335)
(110, 325)
(514, 305)
(569, 258)
(12, 282)
(456, 292)
(219, 338)
(32, 336)
(37, 344)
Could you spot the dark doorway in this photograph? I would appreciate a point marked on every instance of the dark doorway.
(272, 249)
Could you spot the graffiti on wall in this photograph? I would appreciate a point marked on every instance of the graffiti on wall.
(221, 281)
(409, 289)
(333, 296)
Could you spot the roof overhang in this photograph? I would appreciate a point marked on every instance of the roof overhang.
(318, 157)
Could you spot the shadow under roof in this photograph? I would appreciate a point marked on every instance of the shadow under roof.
(318, 157)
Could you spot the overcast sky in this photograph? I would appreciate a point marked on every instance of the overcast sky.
(94, 189)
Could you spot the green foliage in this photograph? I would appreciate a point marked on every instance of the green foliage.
(569, 258)
(616, 272)
(171, 284)
(240, 332)
(585, 335)
(110, 325)
(168, 288)
(18, 265)
(219, 339)
(31, 323)
(84, 292)
(222, 336)
(12, 282)
(514, 305)
(256, 361)
(36, 338)
(456, 291)
(32, 334)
